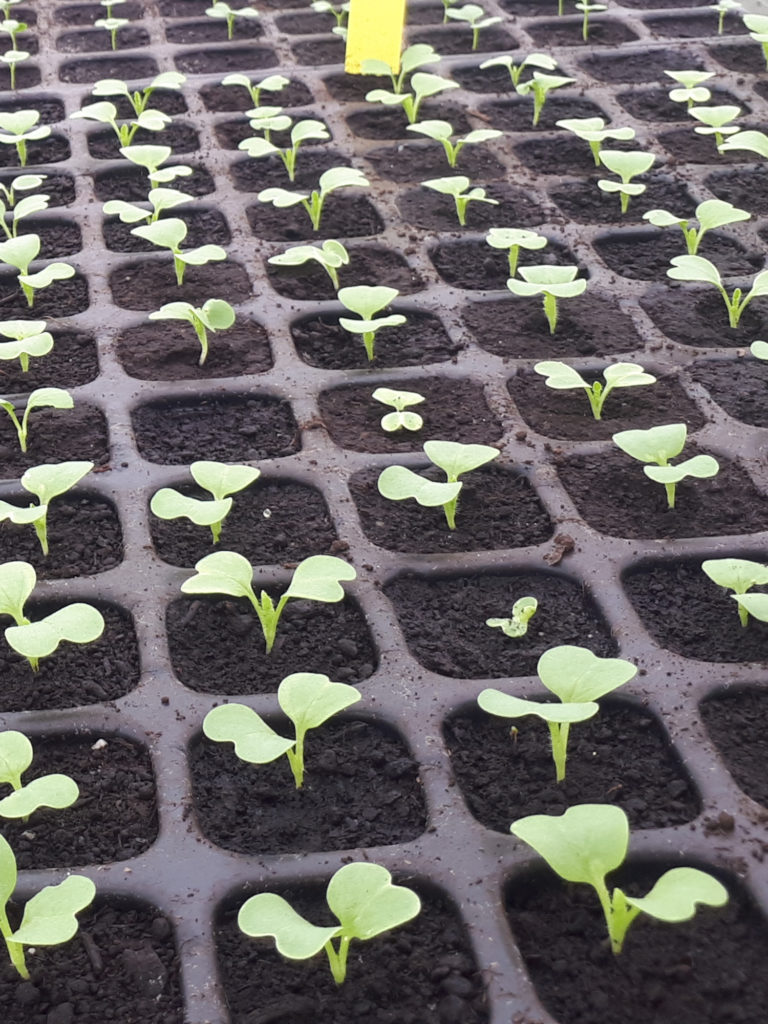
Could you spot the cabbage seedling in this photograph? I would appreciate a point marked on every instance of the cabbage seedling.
(223, 10)
(696, 268)
(361, 896)
(151, 158)
(57, 791)
(457, 185)
(315, 579)
(268, 120)
(714, 121)
(722, 7)
(213, 315)
(575, 675)
(738, 575)
(755, 142)
(28, 338)
(220, 480)
(398, 482)
(26, 206)
(758, 30)
(588, 841)
(627, 165)
(691, 91)
(523, 611)
(401, 418)
(552, 283)
(419, 55)
(21, 183)
(534, 60)
(366, 300)
(475, 17)
(272, 83)
(658, 445)
(339, 13)
(11, 58)
(330, 255)
(513, 240)
(169, 234)
(111, 24)
(40, 398)
(105, 112)
(562, 377)
(49, 916)
(160, 199)
(712, 213)
(331, 180)
(308, 699)
(302, 131)
(540, 86)
(447, 4)
(441, 131)
(19, 253)
(423, 85)
(46, 483)
(593, 131)
(19, 128)
(587, 8)
(138, 98)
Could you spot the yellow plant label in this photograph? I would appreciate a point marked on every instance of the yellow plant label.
(375, 32)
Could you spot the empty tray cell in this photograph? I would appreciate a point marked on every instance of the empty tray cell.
(737, 721)
(738, 385)
(639, 65)
(218, 61)
(475, 264)
(125, 68)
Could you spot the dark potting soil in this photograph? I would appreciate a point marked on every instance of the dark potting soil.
(72, 361)
(419, 162)
(655, 105)
(26, 77)
(584, 202)
(124, 68)
(50, 150)
(361, 788)
(620, 756)
(129, 37)
(271, 523)
(229, 135)
(318, 50)
(687, 613)
(182, 138)
(391, 123)
(497, 509)
(432, 211)
(736, 721)
(368, 264)
(253, 175)
(422, 972)
(224, 60)
(86, 14)
(698, 317)
(58, 238)
(343, 217)
(205, 227)
(740, 186)
(147, 285)
(563, 155)
(639, 65)
(353, 88)
(517, 115)
(239, 428)
(50, 108)
(740, 386)
(693, 26)
(311, 23)
(449, 39)
(746, 58)
(475, 264)
(62, 298)
(568, 32)
(452, 408)
(645, 255)
(209, 31)
(647, 4)
(75, 674)
(218, 98)
(217, 646)
(567, 415)
(115, 816)
(588, 325)
(706, 971)
(54, 435)
(130, 184)
(692, 148)
(443, 621)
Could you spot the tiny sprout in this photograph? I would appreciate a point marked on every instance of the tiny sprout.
(714, 121)
(160, 199)
(366, 300)
(40, 398)
(139, 97)
(692, 90)
(627, 165)
(220, 480)
(398, 482)
(513, 240)
(593, 131)
(308, 699)
(330, 255)
(562, 377)
(712, 213)
(225, 572)
(552, 283)
(658, 445)
(400, 419)
(46, 483)
(475, 17)
(419, 55)
(111, 25)
(534, 60)
(19, 208)
(223, 10)
(696, 268)
(361, 896)
(21, 183)
(457, 185)
(587, 8)
(739, 575)
(19, 128)
(588, 841)
(721, 8)
(758, 30)
(106, 113)
(272, 83)
(340, 13)
(447, 4)
(423, 84)
(213, 315)
(575, 675)
(169, 234)
(331, 180)
(151, 158)
(441, 131)
(57, 791)
(541, 86)
(302, 131)
(28, 338)
(523, 611)
(19, 253)
(11, 58)
(268, 120)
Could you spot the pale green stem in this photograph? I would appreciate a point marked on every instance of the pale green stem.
(15, 949)
(202, 337)
(558, 732)
(338, 960)
(550, 311)
(296, 759)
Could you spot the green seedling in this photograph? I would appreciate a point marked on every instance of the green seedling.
(540, 86)
(11, 59)
(223, 10)
(447, 4)
(19, 253)
(267, 120)
(588, 841)
(151, 158)
(302, 131)
(696, 268)
(441, 131)
(419, 55)
(738, 575)
(315, 579)
(401, 418)
(21, 183)
(307, 698)
(40, 398)
(313, 202)
(366, 300)
(458, 186)
(19, 128)
(7, 5)
(330, 255)
(214, 315)
(755, 142)
(474, 16)
(759, 349)
(586, 9)
(455, 459)
(169, 234)
(721, 9)
(758, 30)
(340, 12)
(19, 208)
(46, 483)
(534, 60)
(714, 121)
(423, 85)
(691, 91)
(49, 916)
(29, 338)
(113, 26)
(340, 31)
(361, 896)
(56, 791)
(513, 240)
(78, 623)
(627, 165)
(220, 480)
(562, 377)
(272, 83)
(160, 199)
(523, 611)
(575, 675)
(593, 131)
(552, 283)
(657, 446)
(106, 113)
(138, 98)
(712, 213)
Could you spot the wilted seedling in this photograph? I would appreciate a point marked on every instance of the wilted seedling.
(562, 377)
(691, 91)
(57, 791)
(552, 283)
(523, 611)
(722, 7)
(758, 30)
(441, 131)
(455, 459)
(696, 268)
(340, 12)
(138, 98)
(586, 9)
(361, 896)
(105, 112)
(223, 10)
(458, 186)
(330, 255)
(28, 338)
(220, 480)
(627, 165)
(658, 445)
(214, 315)
(419, 55)
(401, 418)
(534, 60)
(302, 131)
(366, 300)
(714, 121)
(151, 159)
(272, 83)
(46, 483)
(160, 200)
(575, 675)
(588, 841)
(315, 579)
(169, 234)
(712, 213)
(423, 85)
(40, 398)
(540, 86)
(475, 17)
(313, 202)
(513, 240)
(309, 699)
(738, 575)
(19, 253)
(19, 128)
(593, 131)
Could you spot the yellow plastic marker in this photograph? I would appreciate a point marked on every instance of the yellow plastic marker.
(374, 32)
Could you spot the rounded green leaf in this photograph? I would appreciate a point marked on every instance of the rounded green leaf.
(738, 574)
(364, 899)
(755, 604)
(221, 479)
(577, 674)
(48, 481)
(715, 213)
(503, 705)
(308, 129)
(78, 623)
(559, 375)
(366, 300)
(168, 503)
(455, 458)
(269, 915)
(317, 578)
(223, 572)
(657, 444)
(398, 483)
(694, 268)
(17, 581)
(49, 917)
(15, 756)
(280, 197)
(759, 349)
(254, 740)
(310, 698)
(677, 894)
(51, 398)
(700, 466)
(57, 791)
